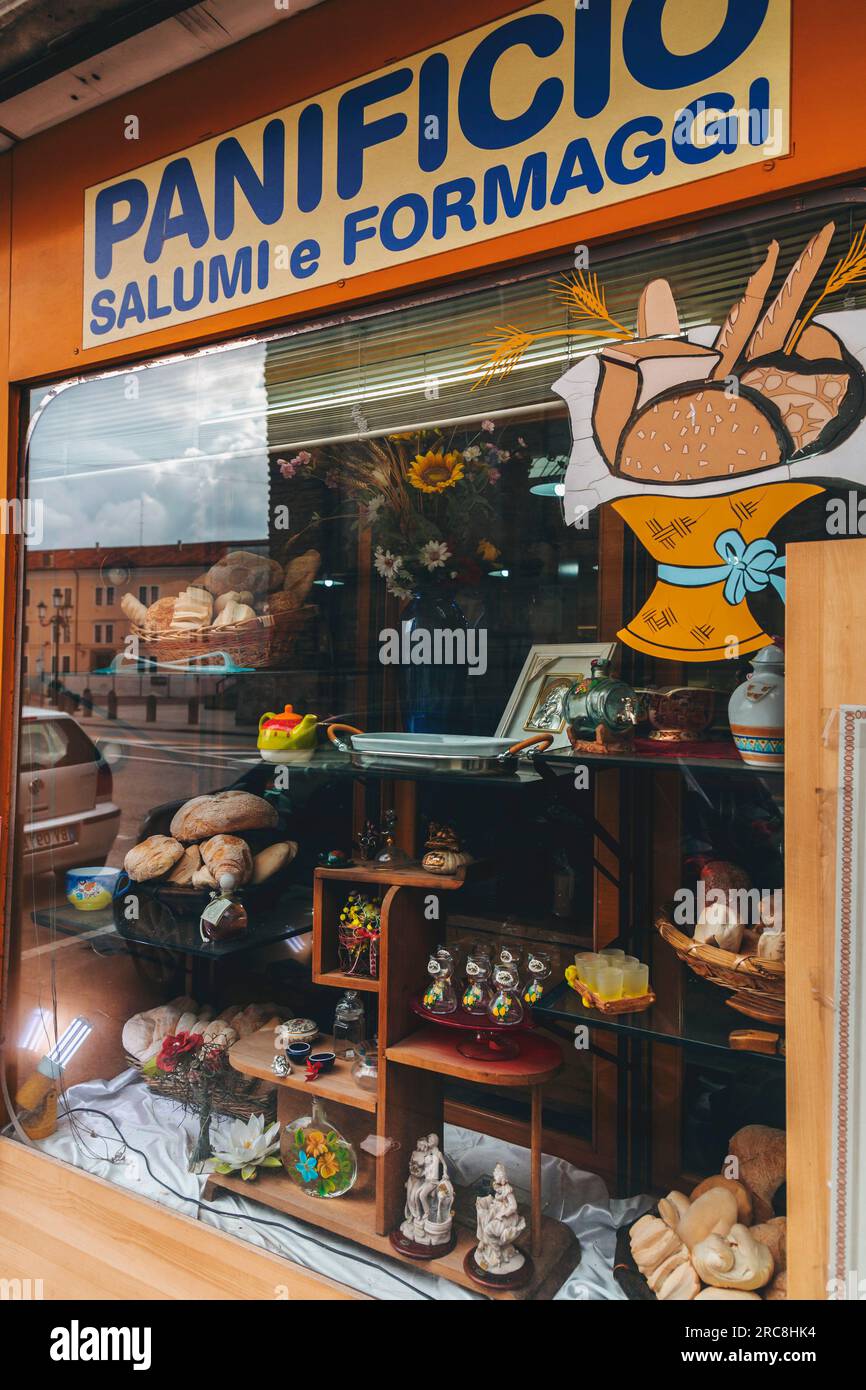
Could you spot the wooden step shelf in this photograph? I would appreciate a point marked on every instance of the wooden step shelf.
(414, 1063)
(433, 1048)
(353, 1218)
(254, 1054)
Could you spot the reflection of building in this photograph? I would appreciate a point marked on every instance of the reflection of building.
(92, 583)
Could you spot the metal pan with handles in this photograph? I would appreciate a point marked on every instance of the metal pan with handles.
(435, 752)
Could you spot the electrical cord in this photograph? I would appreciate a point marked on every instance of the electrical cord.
(220, 1211)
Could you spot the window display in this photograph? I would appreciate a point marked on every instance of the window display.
(397, 792)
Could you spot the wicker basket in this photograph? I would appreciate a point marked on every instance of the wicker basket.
(242, 1097)
(758, 985)
(259, 642)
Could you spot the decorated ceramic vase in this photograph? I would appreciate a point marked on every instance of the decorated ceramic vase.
(757, 711)
(317, 1157)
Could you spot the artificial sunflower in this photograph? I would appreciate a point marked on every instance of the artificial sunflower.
(434, 471)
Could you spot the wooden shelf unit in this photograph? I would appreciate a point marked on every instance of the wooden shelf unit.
(414, 1060)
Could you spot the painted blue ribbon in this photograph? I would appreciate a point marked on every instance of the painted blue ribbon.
(747, 569)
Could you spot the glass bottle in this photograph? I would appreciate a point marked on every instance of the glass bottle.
(349, 1021)
(476, 992)
(365, 1070)
(505, 1006)
(224, 916)
(439, 996)
(317, 1157)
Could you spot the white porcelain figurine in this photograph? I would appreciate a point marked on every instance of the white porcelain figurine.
(429, 1196)
(499, 1225)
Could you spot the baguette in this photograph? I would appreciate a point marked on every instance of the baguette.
(773, 329)
(738, 327)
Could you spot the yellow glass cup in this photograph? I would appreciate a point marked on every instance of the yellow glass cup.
(609, 983)
(590, 973)
(613, 955)
(635, 981)
(584, 959)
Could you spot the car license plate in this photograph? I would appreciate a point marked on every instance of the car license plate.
(49, 839)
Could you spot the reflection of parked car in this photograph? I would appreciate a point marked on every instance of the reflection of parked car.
(65, 794)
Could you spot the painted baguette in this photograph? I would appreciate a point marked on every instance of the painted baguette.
(738, 327)
(771, 332)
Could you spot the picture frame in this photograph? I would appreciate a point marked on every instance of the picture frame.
(534, 706)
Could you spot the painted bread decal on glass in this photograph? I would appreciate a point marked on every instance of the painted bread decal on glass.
(703, 440)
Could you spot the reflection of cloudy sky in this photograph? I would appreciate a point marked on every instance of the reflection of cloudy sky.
(133, 460)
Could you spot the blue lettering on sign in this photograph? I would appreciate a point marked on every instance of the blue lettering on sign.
(453, 199)
(650, 61)
(543, 35)
(279, 185)
(178, 181)
(433, 113)
(651, 152)
(498, 186)
(354, 135)
(265, 195)
(718, 136)
(106, 231)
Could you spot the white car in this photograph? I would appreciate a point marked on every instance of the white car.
(65, 792)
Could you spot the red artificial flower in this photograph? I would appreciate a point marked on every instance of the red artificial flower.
(174, 1046)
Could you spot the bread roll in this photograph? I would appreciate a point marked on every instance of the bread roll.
(300, 574)
(203, 878)
(160, 614)
(269, 861)
(223, 813)
(186, 866)
(228, 857)
(235, 613)
(242, 570)
(233, 596)
(137, 1035)
(134, 610)
(152, 858)
(702, 432)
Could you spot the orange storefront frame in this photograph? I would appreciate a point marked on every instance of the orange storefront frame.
(42, 183)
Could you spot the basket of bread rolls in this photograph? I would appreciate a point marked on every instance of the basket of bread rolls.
(724, 1241)
(738, 941)
(246, 606)
(231, 833)
(231, 1093)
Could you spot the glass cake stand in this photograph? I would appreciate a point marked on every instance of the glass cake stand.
(484, 1041)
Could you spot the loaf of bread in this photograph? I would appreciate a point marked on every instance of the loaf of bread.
(135, 610)
(160, 614)
(699, 434)
(186, 866)
(153, 858)
(269, 861)
(193, 609)
(242, 570)
(299, 576)
(222, 813)
(227, 856)
(203, 878)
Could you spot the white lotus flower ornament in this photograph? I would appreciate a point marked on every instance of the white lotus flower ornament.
(249, 1147)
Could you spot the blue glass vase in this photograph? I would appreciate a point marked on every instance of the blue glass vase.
(432, 691)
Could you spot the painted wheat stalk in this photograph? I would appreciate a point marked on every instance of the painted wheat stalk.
(850, 270)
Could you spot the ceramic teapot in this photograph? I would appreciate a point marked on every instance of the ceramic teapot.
(757, 711)
(286, 732)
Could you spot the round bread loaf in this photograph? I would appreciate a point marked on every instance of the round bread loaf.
(240, 569)
(160, 614)
(702, 432)
(222, 813)
(152, 858)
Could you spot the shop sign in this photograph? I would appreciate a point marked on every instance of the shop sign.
(556, 110)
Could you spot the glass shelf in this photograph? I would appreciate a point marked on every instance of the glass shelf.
(702, 1020)
(330, 762)
(291, 915)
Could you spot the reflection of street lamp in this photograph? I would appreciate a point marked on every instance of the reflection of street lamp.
(58, 622)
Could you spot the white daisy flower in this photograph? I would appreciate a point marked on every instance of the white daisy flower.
(433, 555)
(387, 565)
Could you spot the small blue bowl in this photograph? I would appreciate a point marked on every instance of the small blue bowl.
(298, 1052)
(323, 1060)
(90, 889)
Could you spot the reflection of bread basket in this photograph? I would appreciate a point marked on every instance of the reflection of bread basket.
(759, 985)
(260, 642)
